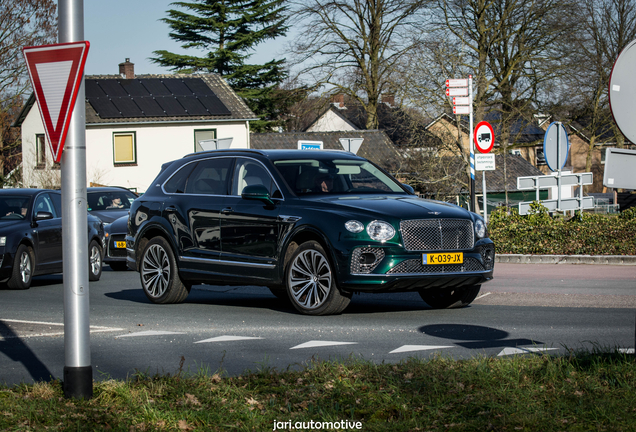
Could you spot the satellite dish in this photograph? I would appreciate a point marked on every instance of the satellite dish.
(622, 91)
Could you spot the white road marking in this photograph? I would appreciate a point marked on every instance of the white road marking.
(483, 295)
(317, 343)
(408, 348)
(513, 351)
(227, 339)
(150, 333)
(93, 329)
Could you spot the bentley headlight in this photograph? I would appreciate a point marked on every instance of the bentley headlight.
(354, 226)
(380, 231)
(480, 229)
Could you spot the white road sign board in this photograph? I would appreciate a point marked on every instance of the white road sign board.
(484, 162)
(461, 109)
(457, 82)
(457, 91)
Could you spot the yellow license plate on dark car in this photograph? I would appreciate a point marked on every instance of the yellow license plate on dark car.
(120, 245)
(443, 258)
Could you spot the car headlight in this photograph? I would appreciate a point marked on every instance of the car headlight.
(480, 229)
(354, 226)
(380, 231)
(3, 241)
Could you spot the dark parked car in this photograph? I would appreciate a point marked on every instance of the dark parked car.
(313, 226)
(111, 204)
(31, 237)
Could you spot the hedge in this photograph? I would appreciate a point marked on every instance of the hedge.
(584, 234)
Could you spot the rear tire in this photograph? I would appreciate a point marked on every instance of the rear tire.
(95, 262)
(23, 268)
(311, 284)
(160, 275)
(450, 298)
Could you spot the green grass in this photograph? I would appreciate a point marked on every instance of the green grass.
(585, 391)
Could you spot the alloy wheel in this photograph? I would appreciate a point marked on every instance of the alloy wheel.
(155, 271)
(25, 267)
(310, 279)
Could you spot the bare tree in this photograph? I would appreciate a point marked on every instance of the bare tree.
(355, 47)
(608, 26)
(22, 23)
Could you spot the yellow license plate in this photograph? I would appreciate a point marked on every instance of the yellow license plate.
(120, 245)
(443, 258)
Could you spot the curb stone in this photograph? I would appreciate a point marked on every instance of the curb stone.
(566, 259)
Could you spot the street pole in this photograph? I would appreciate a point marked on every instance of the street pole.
(78, 372)
(472, 145)
(483, 185)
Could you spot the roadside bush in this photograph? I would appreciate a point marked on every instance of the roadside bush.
(584, 234)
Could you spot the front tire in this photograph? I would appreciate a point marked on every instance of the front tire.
(311, 283)
(450, 298)
(23, 267)
(160, 275)
(94, 261)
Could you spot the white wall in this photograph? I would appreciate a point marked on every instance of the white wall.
(155, 144)
(329, 122)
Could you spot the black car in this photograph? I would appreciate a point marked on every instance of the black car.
(111, 204)
(115, 243)
(31, 237)
(313, 226)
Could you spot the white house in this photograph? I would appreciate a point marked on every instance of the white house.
(134, 124)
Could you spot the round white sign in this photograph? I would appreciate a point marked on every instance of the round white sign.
(484, 137)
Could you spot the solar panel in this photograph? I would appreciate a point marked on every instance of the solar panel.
(171, 106)
(93, 89)
(112, 88)
(104, 107)
(177, 87)
(156, 87)
(153, 97)
(134, 88)
(214, 105)
(198, 86)
(127, 107)
(192, 105)
(149, 106)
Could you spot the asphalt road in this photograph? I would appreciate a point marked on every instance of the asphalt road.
(527, 308)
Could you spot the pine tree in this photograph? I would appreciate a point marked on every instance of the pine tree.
(229, 31)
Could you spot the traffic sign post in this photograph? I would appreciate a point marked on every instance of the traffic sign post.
(78, 372)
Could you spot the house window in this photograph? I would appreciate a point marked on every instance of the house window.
(203, 135)
(603, 154)
(124, 148)
(540, 157)
(40, 151)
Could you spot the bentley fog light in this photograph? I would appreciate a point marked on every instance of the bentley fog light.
(354, 226)
(380, 231)
(480, 229)
(3, 241)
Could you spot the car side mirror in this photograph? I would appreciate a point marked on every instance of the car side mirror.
(257, 192)
(43, 215)
(409, 188)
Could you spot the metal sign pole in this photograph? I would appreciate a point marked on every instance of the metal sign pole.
(472, 146)
(78, 372)
(483, 185)
(559, 164)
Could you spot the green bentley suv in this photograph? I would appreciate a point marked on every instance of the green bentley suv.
(312, 226)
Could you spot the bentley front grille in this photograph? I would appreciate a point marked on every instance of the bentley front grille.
(415, 266)
(437, 234)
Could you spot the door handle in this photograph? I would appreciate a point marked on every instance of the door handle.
(227, 210)
(171, 209)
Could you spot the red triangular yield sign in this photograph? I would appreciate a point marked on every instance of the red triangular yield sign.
(56, 73)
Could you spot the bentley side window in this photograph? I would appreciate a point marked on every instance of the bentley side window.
(210, 177)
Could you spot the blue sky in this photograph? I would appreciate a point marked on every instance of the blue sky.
(120, 29)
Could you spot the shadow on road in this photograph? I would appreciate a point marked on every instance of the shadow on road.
(15, 348)
(475, 337)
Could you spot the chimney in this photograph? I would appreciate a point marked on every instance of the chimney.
(338, 101)
(127, 69)
(388, 99)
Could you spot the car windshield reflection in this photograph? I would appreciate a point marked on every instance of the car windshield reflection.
(311, 176)
(14, 207)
